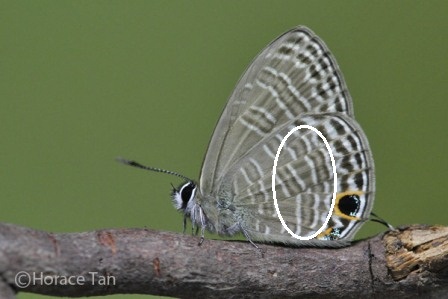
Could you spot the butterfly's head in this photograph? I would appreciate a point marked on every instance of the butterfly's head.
(184, 197)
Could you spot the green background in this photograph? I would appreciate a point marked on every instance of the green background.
(82, 82)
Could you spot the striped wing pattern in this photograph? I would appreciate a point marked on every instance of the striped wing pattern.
(295, 80)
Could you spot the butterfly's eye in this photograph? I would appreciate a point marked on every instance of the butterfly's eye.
(187, 191)
(183, 195)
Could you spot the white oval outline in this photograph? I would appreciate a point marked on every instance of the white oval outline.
(274, 172)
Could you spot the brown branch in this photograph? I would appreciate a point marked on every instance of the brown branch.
(409, 262)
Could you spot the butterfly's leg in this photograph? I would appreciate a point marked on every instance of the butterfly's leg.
(185, 224)
(202, 219)
(246, 234)
(193, 221)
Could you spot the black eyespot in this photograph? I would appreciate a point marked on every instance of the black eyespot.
(186, 192)
(349, 204)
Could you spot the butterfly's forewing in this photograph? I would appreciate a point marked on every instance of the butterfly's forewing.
(294, 74)
(293, 80)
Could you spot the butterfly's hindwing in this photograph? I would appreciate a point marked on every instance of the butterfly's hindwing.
(304, 180)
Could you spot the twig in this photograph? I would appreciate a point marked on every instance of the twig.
(409, 262)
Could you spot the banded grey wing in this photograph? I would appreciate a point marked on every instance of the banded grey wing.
(294, 74)
(293, 81)
(304, 182)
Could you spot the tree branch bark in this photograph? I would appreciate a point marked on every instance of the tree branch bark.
(405, 263)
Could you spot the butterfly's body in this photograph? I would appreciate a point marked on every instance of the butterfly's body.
(294, 81)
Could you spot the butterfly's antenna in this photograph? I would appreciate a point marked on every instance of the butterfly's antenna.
(138, 165)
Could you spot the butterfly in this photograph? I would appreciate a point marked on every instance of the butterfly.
(294, 81)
